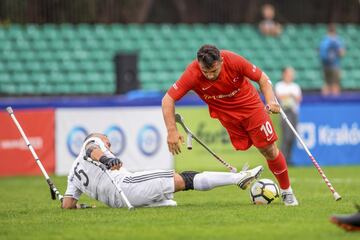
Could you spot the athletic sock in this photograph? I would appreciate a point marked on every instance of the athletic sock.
(208, 180)
(279, 168)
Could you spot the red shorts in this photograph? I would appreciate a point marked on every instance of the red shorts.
(256, 130)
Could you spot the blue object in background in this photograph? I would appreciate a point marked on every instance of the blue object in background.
(331, 131)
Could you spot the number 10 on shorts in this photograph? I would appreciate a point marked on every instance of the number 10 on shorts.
(267, 129)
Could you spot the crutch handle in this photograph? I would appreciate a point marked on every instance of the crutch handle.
(9, 110)
(189, 141)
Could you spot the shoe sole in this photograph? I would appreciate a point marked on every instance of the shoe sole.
(291, 205)
(246, 183)
(345, 226)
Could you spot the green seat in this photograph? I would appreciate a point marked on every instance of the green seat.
(9, 56)
(20, 78)
(69, 66)
(38, 78)
(56, 76)
(3, 35)
(99, 55)
(45, 55)
(50, 66)
(108, 77)
(75, 77)
(97, 88)
(32, 66)
(67, 32)
(2, 67)
(57, 45)
(9, 89)
(85, 66)
(21, 45)
(6, 45)
(50, 32)
(15, 32)
(147, 77)
(93, 77)
(104, 66)
(80, 88)
(15, 66)
(84, 31)
(26, 89)
(5, 78)
(32, 32)
(27, 55)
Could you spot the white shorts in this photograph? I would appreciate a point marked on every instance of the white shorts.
(144, 188)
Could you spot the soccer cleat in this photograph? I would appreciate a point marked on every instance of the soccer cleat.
(163, 203)
(348, 222)
(248, 176)
(289, 198)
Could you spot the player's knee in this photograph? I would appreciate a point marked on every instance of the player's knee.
(270, 152)
(188, 177)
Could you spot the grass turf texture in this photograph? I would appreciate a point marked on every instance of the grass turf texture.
(26, 211)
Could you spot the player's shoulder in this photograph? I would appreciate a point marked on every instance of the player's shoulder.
(228, 53)
(231, 57)
(193, 69)
(193, 66)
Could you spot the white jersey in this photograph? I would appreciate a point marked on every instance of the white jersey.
(141, 188)
(293, 90)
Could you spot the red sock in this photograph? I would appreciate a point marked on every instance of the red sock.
(279, 168)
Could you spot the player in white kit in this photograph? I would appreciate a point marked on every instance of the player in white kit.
(146, 188)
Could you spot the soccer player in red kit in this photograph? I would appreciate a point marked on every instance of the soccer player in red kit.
(221, 80)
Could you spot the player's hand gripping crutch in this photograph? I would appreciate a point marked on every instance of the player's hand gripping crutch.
(189, 136)
(106, 171)
(336, 195)
(53, 190)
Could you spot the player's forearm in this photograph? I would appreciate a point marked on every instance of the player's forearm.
(96, 154)
(168, 109)
(266, 89)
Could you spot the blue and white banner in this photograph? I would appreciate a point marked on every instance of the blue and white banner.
(331, 132)
(137, 134)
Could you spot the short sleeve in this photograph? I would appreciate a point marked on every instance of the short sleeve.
(72, 191)
(183, 85)
(244, 66)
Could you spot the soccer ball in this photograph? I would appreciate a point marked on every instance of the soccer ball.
(264, 191)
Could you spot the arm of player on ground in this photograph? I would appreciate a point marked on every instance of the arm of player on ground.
(71, 196)
(98, 149)
(69, 203)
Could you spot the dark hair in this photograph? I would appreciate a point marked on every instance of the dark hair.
(331, 28)
(208, 54)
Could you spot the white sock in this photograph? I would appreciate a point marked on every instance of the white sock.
(288, 190)
(208, 180)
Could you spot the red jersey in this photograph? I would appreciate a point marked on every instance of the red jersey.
(231, 96)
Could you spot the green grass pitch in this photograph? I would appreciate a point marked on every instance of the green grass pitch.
(26, 211)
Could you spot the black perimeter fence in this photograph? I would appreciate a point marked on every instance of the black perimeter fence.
(175, 11)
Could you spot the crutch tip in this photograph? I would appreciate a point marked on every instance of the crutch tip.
(337, 196)
(9, 110)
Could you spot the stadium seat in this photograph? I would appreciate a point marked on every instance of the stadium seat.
(73, 57)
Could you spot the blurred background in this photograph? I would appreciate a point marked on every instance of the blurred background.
(70, 67)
